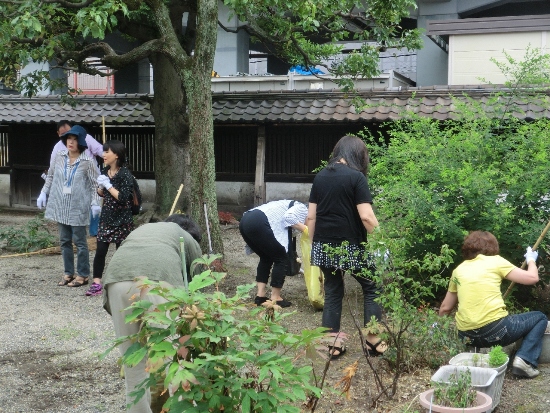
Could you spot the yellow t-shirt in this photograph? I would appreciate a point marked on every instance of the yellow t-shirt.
(477, 284)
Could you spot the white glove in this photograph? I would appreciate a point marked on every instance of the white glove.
(531, 255)
(41, 201)
(385, 255)
(103, 181)
(95, 210)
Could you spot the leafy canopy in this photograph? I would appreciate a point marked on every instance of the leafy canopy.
(65, 33)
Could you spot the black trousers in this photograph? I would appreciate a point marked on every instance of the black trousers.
(258, 235)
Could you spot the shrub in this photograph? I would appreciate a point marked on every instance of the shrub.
(34, 235)
(217, 355)
(497, 357)
(458, 392)
(436, 181)
(226, 218)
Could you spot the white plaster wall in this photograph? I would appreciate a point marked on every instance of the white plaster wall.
(470, 55)
(237, 195)
(5, 190)
(286, 190)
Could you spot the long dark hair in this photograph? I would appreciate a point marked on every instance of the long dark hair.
(353, 150)
(118, 148)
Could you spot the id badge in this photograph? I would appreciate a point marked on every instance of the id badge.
(66, 189)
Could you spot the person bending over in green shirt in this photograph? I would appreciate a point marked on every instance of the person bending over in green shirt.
(152, 251)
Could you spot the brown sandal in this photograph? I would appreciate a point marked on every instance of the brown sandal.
(65, 281)
(78, 283)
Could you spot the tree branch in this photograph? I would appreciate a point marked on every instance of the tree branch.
(110, 57)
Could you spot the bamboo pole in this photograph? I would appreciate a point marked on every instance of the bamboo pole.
(524, 265)
(176, 200)
(103, 127)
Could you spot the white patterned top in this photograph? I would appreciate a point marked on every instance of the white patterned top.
(280, 217)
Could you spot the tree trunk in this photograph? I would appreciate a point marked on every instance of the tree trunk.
(197, 83)
(171, 137)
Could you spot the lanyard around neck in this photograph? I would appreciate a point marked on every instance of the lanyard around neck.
(69, 179)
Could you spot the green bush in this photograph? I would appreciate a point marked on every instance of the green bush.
(218, 355)
(485, 170)
(32, 237)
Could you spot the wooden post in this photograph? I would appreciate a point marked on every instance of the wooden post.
(103, 127)
(259, 181)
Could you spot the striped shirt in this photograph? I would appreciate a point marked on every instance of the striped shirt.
(280, 217)
(81, 177)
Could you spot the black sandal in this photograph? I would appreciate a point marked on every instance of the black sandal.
(372, 349)
(65, 281)
(341, 351)
(77, 283)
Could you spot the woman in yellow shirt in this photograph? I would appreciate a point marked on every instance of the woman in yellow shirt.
(482, 319)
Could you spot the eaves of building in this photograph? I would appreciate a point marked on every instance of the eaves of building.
(275, 107)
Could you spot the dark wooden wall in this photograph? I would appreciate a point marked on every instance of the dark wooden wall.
(293, 151)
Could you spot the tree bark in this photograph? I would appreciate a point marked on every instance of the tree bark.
(172, 166)
(197, 84)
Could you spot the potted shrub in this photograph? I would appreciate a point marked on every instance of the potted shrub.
(496, 359)
(455, 395)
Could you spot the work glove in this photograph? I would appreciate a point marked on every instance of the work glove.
(385, 254)
(41, 201)
(103, 181)
(531, 255)
(95, 210)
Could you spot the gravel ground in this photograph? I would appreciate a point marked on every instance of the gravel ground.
(51, 338)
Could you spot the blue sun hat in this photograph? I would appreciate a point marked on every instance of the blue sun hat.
(80, 134)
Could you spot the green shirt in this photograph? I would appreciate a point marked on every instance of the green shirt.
(152, 251)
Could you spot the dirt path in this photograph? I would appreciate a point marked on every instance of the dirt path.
(52, 336)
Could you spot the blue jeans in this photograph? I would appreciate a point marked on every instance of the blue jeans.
(529, 326)
(67, 235)
(94, 225)
(334, 294)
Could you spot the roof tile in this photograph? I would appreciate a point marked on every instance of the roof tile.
(267, 106)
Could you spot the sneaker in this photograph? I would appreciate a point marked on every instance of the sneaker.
(95, 289)
(521, 368)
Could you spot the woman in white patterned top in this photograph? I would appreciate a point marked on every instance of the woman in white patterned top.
(265, 231)
(70, 190)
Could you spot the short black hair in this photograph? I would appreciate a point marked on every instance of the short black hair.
(63, 123)
(187, 224)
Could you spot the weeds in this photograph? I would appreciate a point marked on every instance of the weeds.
(33, 236)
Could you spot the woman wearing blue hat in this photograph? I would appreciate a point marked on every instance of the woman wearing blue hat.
(68, 193)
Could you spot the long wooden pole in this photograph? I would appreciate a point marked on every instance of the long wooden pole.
(103, 127)
(176, 200)
(524, 265)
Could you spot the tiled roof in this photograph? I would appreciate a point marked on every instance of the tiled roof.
(128, 109)
(310, 106)
(315, 106)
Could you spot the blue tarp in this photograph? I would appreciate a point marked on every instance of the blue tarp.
(301, 70)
